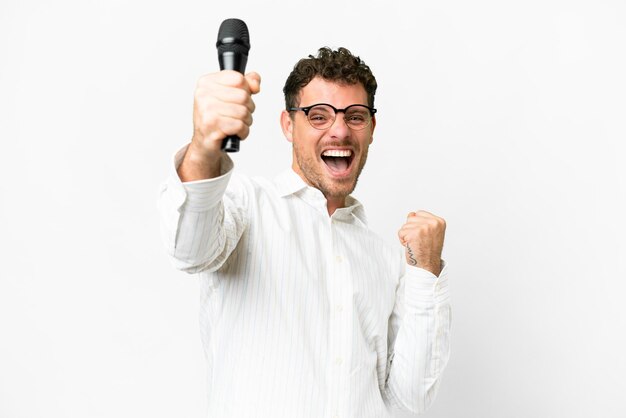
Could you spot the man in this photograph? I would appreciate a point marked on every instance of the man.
(305, 312)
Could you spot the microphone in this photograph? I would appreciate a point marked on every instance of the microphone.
(233, 44)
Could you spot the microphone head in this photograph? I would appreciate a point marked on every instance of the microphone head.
(233, 36)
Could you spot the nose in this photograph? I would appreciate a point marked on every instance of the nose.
(339, 128)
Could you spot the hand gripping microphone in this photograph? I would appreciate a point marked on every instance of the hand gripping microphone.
(233, 44)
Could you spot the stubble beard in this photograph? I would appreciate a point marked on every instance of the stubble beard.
(330, 188)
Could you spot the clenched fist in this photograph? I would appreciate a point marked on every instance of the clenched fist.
(422, 236)
(222, 106)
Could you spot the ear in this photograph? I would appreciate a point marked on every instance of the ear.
(286, 123)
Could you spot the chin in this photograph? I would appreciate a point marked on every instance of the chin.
(337, 188)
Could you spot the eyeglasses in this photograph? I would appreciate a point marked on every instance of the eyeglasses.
(323, 115)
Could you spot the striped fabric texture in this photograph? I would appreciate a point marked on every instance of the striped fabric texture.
(303, 314)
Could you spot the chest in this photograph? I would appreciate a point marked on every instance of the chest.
(297, 256)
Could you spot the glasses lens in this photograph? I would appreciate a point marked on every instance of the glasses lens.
(357, 116)
(321, 116)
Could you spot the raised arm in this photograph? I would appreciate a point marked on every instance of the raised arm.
(419, 327)
(201, 222)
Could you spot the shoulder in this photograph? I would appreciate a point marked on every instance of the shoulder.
(251, 191)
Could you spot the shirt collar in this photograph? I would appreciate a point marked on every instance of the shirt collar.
(290, 183)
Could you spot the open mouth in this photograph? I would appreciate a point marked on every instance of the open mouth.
(338, 161)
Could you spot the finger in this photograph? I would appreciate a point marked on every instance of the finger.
(222, 93)
(424, 227)
(422, 216)
(254, 82)
(236, 111)
(404, 234)
(231, 78)
(222, 78)
(250, 104)
(221, 97)
(230, 126)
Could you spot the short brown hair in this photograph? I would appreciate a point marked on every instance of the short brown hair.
(338, 66)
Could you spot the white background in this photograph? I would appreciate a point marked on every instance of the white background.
(505, 118)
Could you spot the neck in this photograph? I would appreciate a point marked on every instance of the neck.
(334, 203)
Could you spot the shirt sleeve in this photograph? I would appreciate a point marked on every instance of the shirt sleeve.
(201, 222)
(419, 339)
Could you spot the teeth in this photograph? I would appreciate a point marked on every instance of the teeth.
(337, 153)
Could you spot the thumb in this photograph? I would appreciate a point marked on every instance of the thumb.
(254, 82)
(410, 215)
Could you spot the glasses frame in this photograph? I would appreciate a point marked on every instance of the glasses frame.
(306, 110)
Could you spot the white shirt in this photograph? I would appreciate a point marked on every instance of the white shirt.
(303, 314)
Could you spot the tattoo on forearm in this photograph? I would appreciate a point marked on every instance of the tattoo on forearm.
(412, 260)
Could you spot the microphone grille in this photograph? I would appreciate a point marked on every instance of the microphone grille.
(233, 36)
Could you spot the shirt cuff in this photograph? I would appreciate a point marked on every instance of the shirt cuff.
(201, 195)
(422, 286)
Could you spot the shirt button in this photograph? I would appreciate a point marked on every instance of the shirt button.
(338, 308)
(339, 258)
(338, 361)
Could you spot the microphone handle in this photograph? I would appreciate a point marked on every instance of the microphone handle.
(231, 143)
(232, 61)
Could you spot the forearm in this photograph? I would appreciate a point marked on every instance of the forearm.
(421, 343)
(200, 165)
